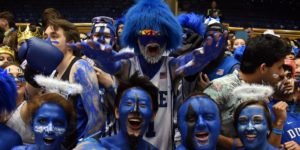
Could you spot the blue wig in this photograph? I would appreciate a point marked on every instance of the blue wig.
(154, 15)
(8, 92)
(192, 21)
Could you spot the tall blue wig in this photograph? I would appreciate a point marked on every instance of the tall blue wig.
(8, 92)
(192, 21)
(154, 15)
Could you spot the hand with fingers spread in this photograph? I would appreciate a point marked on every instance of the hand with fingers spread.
(195, 61)
(291, 145)
(103, 54)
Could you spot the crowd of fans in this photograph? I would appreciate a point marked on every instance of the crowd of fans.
(144, 82)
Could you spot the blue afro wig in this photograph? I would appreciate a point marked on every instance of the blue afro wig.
(154, 15)
(192, 21)
(8, 92)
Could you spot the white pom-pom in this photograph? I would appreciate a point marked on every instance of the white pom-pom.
(246, 92)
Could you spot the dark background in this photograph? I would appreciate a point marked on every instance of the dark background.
(277, 14)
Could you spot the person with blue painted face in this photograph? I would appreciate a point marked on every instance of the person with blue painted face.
(199, 123)
(150, 38)
(252, 121)
(135, 107)
(50, 117)
(8, 95)
(73, 69)
(103, 30)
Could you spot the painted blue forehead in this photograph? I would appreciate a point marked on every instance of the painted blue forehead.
(200, 104)
(253, 110)
(136, 91)
(47, 107)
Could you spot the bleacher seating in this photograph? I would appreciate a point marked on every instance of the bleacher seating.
(279, 14)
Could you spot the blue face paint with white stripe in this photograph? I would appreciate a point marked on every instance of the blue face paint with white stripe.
(49, 126)
(103, 33)
(135, 111)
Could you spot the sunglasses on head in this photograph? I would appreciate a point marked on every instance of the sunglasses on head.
(104, 19)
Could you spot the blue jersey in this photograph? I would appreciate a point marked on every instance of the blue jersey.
(291, 128)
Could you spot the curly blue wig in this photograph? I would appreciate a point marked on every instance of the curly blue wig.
(154, 15)
(8, 92)
(192, 21)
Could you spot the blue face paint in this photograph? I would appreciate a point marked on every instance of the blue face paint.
(199, 123)
(49, 126)
(135, 111)
(103, 33)
(252, 127)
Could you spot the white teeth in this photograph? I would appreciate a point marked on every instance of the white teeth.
(135, 120)
(251, 135)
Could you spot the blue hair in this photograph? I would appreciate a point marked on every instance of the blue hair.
(155, 15)
(192, 21)
(8, 92)
(119, 21)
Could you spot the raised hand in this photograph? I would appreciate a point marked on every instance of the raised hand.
(194, 62)
(105, 57)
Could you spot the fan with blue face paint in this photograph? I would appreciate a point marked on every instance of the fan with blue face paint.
(199, 123)
(103, 30)
(49, 126)
(151, 38)
(50, 121)
(135, 108)
(253, 123)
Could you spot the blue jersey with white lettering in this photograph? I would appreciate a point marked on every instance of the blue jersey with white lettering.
(291, 128)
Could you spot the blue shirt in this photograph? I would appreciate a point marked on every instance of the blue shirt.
(291, 127)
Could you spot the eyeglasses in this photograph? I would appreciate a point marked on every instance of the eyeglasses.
(104, 19)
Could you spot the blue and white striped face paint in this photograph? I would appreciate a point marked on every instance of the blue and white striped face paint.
(49, 126)
(103, 34)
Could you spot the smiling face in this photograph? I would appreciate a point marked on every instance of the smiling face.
(134, 112)
(199, 123)
(49, 126)
(152, 45)
(252, 127)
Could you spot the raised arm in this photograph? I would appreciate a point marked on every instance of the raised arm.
(85, 75)
(105, 57)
